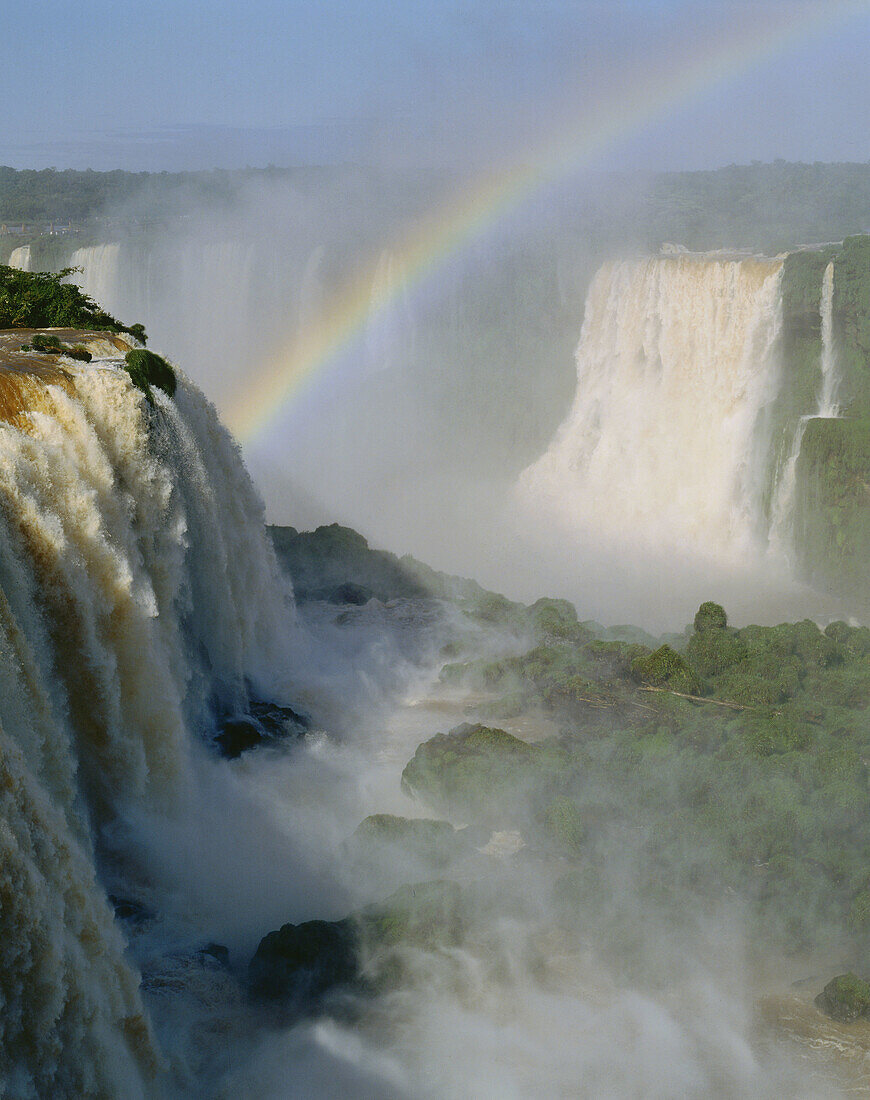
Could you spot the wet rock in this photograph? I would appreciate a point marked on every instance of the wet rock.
(348, 593)
(279, 721)
(218, 952)
(301, 962)
(267, 723)
(131, 911)
(237, 735)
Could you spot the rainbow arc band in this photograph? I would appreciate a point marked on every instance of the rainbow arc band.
(649, 97)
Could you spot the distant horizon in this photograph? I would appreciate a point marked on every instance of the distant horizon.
(363, 165)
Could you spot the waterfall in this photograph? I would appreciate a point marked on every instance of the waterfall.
(20, 257)
(667, 438)
(781, 526)
(138, 593)
(830, 379)
(99, 273)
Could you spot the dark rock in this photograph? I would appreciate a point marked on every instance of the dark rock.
(266, 724)
(134, 912)
(349, 592)
(239, 734)
(337, 564)
(279, 721)
(301, 962)
(218, 952)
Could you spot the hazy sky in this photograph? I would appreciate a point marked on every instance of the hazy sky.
(151, 84)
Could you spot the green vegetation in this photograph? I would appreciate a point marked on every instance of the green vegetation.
(147, 369)
(851, 310)
(845, 998)
(47, 344)
(720, 768)
(39, 299)
(771, 206)
(832, 510)
(51, 345)
(764, 769)
(666, 668)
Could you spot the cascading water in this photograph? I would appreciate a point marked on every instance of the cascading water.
(830, 379)
(667, 439)
(137, 595)
(98, 272)
(20, 257)
(781, 532)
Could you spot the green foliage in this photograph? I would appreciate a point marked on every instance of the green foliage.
(46, 344)
(40, 299)
(556, 621)
(710, 616)
(147, 369)
(711, 652)
(51, 345)
(832, 508)
(666, 668)
(562, 822)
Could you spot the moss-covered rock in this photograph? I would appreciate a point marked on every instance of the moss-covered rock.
(711, 652)
(472, 771)
(147, 369)
(334, 562)
(845, 998)
(426, 914)
(425, 840)
(46, 343)
(556, 621)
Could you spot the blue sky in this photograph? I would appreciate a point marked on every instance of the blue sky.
(172, 84)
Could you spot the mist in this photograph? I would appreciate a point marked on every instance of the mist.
(444, 675)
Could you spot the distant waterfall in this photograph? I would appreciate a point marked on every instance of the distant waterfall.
(99, 273)
(137, 594)
(786, 488)
(667, 439)
(20, 257)
(830, 379)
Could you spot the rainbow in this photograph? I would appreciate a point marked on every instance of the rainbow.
(319, 348)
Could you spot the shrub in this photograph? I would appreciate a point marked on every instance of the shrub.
(41, 299)
(49, 345)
